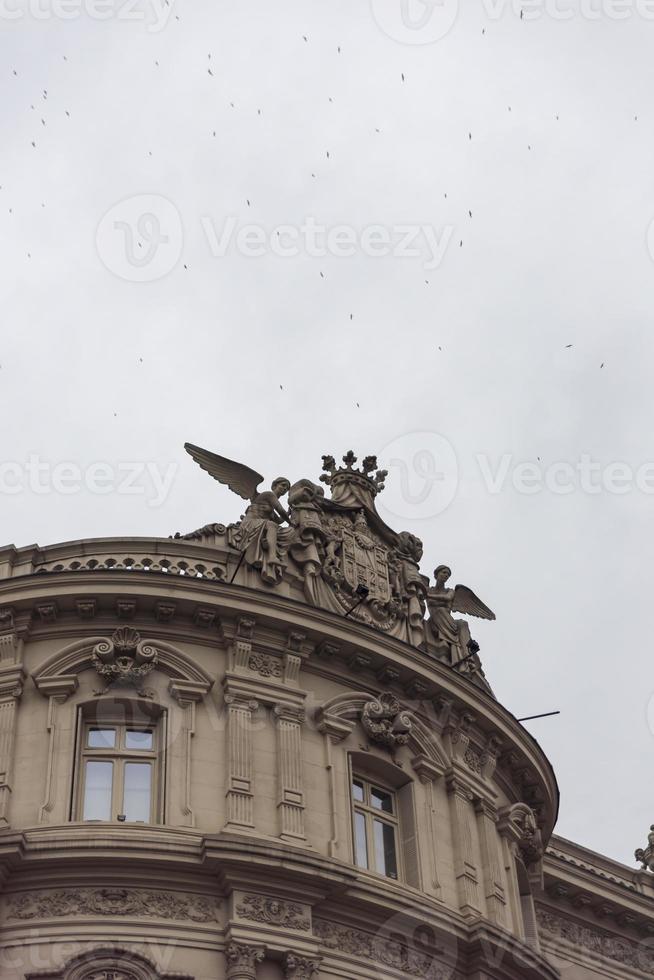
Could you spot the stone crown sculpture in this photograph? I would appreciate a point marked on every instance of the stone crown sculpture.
(346, 557)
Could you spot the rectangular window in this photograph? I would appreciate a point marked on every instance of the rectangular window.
(98, 790)
(119, 773)
(376, 828)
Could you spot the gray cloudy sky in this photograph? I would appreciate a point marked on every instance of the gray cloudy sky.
(135, 316)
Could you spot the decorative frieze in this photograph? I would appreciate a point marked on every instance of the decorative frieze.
(597, 942)
(275, 912)
(382, 950)
(132, 902)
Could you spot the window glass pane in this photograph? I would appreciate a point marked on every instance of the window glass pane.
(381, 800)
(360, 843)
(101, 738)
(357, 791)
(138, 740)
(385, 855)
(97, 790)
(138, 791)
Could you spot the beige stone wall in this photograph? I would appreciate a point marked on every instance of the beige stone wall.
(267, 710)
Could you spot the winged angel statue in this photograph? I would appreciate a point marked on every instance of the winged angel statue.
(262, 539)
(442, 602)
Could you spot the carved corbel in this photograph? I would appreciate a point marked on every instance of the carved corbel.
(46, 612)
(489, 756)
(517, 823)
(458, 732)
(293, 658)
(327, 650)
(57, 689)
(241, 648)
(188, 694)
(297, 967)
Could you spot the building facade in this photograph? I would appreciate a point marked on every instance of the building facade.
(268, 751)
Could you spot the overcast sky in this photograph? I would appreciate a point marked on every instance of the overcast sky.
(135, 316)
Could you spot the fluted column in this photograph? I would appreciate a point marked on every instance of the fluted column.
(465, 870)
(242, 960)
(291, 790)
(240, 810)
(494, 889)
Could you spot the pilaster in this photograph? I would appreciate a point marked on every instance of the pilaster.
(291, 804)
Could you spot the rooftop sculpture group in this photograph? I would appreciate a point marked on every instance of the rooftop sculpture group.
(342, 551)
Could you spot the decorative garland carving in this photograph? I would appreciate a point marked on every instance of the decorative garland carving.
(380, 949)
(265, 665)
(112, 901)
(597, 942)
(386, 721)
(274, 912)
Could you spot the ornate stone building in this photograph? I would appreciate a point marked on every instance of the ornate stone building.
(269, 751)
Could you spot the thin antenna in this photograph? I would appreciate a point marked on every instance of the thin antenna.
(548, 714)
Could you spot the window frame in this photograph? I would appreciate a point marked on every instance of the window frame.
(116, 716)
(372, 815)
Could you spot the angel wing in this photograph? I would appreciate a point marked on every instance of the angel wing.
(465, 601)
(239, 478)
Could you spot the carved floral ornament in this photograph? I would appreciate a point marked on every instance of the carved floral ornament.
(139, 903)
(124, 659)
(274, 912)
(386, 721)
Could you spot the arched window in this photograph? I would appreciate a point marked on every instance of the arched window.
(108, 964)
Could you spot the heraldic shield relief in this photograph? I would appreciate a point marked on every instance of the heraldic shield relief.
(340, 553)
